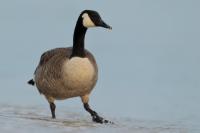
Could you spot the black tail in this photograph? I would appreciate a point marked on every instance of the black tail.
(31, 82)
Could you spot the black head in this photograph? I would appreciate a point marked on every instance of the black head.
(92, 19)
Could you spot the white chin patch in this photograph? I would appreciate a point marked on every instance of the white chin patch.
(87, 22)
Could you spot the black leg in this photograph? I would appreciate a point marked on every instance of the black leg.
(53, 107)
(95, 116)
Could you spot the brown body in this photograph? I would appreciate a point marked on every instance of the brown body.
(54, 82)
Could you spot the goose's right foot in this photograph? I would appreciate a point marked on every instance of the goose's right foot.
(53, 107)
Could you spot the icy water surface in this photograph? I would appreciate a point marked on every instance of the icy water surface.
(18, 119)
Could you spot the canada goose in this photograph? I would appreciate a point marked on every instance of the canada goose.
(70, 72)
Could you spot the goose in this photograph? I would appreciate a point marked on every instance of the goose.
(69, 72)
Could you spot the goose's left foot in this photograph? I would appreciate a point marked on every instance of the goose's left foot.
(95, 117)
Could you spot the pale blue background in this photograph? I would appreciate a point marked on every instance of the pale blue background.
(148, 64)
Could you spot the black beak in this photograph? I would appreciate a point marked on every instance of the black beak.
(103, 24)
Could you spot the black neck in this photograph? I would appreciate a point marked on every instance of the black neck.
(78, 40)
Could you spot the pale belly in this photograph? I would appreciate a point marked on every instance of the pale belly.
(79, 75)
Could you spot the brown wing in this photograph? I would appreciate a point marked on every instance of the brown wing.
(49, 54)
(46, 56)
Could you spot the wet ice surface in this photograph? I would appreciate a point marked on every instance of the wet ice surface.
(18, 119)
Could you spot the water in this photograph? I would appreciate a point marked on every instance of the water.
(32, 119)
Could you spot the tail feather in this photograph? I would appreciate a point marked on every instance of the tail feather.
(31, 82)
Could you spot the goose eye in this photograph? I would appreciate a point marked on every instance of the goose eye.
(95, 18)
